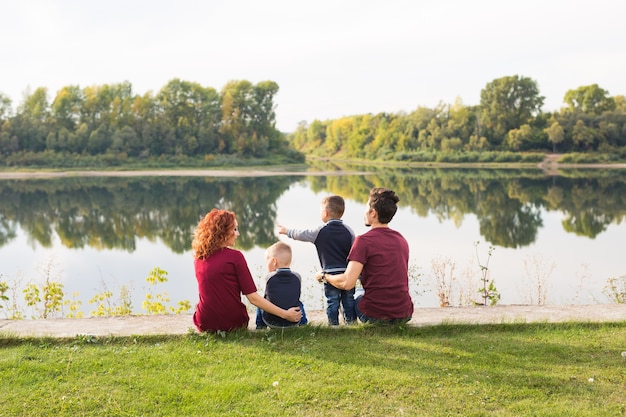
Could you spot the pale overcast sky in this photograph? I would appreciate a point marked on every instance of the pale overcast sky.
(329, 58)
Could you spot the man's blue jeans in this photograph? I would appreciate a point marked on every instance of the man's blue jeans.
(336, 297)
(365, 319)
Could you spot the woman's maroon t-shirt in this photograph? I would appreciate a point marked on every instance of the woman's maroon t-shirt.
(222, 278)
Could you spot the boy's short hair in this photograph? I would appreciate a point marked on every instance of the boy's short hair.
(281, 251)
(335, 205)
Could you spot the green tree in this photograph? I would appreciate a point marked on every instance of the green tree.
(107, 106)
(387, 134)
(5, 108)
(555, 134)
(236, 115)
(248, 118)
(192, 112)
(398, 134)
(507, 103)
(125, 140)
(620, 104)
(99, 140)
(8, 143)
(67, 106)
(517, 137)
(590, 99)
(30, 123)
(316, 135)
(583, 136)
(145, 116)
(264, 118)
(36, 106)
(360, 136)
(610, 135)
(337, 135)
(462, 121)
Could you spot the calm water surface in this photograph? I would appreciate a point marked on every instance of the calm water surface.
(555, 239)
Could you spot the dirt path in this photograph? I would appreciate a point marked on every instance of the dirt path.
(550, 165)
(182, 324)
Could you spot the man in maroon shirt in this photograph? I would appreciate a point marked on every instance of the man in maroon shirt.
(381, 258)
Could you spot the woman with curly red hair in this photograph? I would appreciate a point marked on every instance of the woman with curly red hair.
(223, 275)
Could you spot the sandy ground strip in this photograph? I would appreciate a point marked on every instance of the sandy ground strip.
(180, 324)
(173, 173)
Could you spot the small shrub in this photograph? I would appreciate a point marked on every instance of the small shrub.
(74, 306)
(156, 303)
(13, 309)
(4, 287)
(443, 268)
(488, 292)
(105, 307)
(46, 299)
(538, 271)
(615, 289)
(415, 276)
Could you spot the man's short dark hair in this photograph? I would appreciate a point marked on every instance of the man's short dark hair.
(384, 201)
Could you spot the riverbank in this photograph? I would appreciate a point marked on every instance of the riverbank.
(181, 324)
(549, 166)
(238, 172)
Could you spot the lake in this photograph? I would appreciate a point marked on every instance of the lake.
(553, 239)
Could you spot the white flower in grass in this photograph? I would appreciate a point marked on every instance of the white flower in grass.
(590, 380)
(275, 384)
(623, 354)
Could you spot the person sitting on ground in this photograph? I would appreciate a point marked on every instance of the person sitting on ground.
(223, 275)
(333, 241)
(282, 287)
(381, 258)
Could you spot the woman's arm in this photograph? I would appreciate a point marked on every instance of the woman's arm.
(293, 314)
(345, 281)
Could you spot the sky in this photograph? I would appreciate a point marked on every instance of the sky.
(330, 59)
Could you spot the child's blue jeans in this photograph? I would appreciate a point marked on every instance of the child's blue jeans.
(336, 297)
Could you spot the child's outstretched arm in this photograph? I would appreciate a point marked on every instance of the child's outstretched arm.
(309, 235)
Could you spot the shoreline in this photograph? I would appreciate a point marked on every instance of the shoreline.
(550, 166)
(181, 324)
(239, 172)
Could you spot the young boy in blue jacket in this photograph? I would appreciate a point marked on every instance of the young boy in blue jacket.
(333, 241)
(282, 287)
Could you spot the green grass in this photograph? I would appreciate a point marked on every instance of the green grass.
(571, 369)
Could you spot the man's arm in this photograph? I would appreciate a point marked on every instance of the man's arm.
(345, 281)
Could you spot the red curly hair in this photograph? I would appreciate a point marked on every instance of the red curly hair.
(212, 233)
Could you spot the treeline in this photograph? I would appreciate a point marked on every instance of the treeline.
(184, 119)
(109, 125)
(509, 121)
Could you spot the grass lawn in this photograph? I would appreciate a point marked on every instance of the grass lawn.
(569, 369)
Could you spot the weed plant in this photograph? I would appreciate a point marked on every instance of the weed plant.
(615, 289)
(489, 293)
(568, 369)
